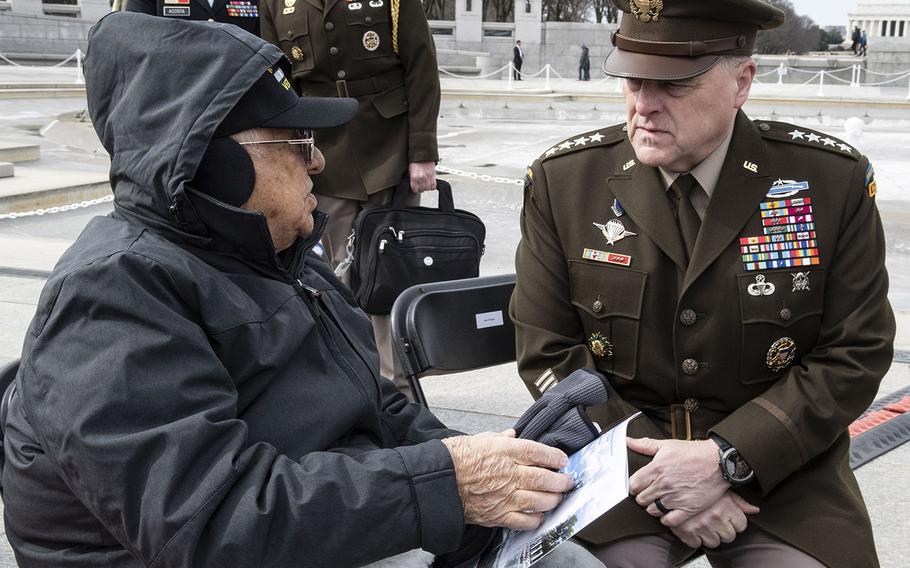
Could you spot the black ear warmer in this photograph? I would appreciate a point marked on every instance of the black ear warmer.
(226, 172)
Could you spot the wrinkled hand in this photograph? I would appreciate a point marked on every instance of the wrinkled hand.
(684, 475)
(423, 176)
(504, 482)
(720, 522)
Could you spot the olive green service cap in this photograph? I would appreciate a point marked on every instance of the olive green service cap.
(667, 40)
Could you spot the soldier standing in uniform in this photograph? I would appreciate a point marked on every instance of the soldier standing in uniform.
(242, 13)
(380, 52)
(727, 276)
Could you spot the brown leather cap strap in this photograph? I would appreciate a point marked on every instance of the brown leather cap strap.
(681, 48)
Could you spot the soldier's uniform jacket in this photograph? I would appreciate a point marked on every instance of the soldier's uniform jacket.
(242, 13)
(780, 374)
(347, 48)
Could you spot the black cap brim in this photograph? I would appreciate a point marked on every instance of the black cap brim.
(314, 112)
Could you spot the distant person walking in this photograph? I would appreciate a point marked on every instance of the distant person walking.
(584, 64)
(862, 44)
(855, 39)
(518, 58)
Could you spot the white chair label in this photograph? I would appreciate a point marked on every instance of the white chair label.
(489, 319)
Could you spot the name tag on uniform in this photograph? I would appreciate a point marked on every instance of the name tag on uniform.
(178, 11)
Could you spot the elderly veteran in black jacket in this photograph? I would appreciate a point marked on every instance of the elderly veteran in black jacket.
(196, 388)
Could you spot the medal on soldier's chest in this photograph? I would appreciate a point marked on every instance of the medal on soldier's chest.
(781, 354)
(600, 346)
(371, 41)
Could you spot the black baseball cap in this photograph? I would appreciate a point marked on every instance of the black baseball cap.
(272, 103)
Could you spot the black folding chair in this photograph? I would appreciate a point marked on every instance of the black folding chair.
(7, 380)
(454, 326)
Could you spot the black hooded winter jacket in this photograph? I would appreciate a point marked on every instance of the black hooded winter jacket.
(185, 397)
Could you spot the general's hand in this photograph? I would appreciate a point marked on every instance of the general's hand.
(718, 523)
(423, 176)
(505, 482)
(684, 475)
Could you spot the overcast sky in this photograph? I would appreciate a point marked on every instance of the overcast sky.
(833, 12)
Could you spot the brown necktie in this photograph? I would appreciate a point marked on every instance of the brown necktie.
(686, 217)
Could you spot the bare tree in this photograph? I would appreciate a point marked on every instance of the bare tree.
(565, 10)
(440, 9)
(499, 10)
(798, 34)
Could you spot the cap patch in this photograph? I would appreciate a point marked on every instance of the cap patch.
(646, 10)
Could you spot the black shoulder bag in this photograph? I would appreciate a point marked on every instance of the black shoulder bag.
(396, 247)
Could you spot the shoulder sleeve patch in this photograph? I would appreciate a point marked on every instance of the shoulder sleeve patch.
(871, 187)
(805, 137)
(601, 137)
(529, 177)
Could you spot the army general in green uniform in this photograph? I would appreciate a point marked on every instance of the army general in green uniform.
(727, 276)
(380, 52)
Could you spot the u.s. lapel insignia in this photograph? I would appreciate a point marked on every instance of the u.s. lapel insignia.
(760, 287)
(786, 188)
(288, 10)
(628, 165)
(751, 166)
(781, 354)
(800, 281)
(371, 40)
(614, 231)
(617, 208)
(600, 346)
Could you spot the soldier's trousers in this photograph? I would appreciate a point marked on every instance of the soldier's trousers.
(342, 213)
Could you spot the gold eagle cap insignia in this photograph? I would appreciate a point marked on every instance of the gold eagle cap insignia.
(646, 10)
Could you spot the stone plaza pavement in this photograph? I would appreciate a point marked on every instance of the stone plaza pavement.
(487, 135)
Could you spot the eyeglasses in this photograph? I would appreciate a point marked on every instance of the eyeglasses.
(304, 141)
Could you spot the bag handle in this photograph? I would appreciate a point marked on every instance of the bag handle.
(446, 201)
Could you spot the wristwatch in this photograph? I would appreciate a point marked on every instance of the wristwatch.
(733, 467)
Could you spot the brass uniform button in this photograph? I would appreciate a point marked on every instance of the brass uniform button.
(598, 306)
(786, 314)
(690, 366)
(329, 26)
(296, 53)
(764, 127)
(691, 404)
(687, 317)
(342, 74)
(333, 50)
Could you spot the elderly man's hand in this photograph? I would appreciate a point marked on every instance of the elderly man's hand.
(684, 475)
(720, 522)
(505, 482)
(423, 176)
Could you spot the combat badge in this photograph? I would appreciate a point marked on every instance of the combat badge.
(614, 231)
(871, 187)
(600, 346)
(646, 10)
(371, 41)
(781, 354)
(800, 281)
(786, 188)
(760, 287)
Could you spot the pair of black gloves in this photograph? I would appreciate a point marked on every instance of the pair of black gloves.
(556, 419)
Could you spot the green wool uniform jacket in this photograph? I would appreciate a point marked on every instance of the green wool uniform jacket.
(712, 337)
(342, 48)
